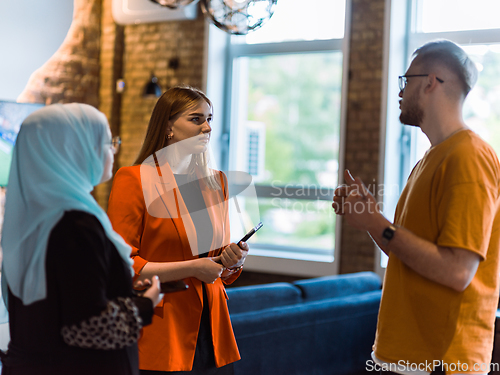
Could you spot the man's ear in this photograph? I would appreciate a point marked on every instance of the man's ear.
(431, 83)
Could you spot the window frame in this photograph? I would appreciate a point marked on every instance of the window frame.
(258, 260)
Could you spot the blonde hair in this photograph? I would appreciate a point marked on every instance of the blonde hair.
(171, 104)
(450, 55)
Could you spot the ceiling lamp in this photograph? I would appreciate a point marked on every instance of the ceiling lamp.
(173, 4)
(238, 17)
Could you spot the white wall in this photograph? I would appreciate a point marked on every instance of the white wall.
(30, 32)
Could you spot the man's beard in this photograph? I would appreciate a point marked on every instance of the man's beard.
(412, 114)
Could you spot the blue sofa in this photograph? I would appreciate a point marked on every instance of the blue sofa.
(324, 325)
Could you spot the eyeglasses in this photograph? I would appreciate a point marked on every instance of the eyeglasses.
(403, 80)
(115, 144)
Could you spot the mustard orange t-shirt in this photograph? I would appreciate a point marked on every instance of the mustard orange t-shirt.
(451, 199)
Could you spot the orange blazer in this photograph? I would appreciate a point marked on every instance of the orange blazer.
(169, 235)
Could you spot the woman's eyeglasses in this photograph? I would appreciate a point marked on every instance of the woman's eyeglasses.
(115, 144)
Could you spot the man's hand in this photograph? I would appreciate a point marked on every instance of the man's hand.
(339, 197)
(355, 202)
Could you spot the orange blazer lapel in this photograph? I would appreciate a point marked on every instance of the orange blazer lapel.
(164, 201)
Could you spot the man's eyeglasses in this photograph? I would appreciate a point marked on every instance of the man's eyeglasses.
(403, 80)
(115, 144)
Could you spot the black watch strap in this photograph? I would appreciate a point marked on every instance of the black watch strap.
(388, 234)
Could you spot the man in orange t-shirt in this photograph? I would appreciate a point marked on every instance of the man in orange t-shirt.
(440, 293)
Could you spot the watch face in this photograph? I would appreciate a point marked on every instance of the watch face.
(388, 234)
(238, 17)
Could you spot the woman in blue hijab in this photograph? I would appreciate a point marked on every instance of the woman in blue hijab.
(70, 300)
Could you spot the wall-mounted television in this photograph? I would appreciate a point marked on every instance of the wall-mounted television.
(12, 115)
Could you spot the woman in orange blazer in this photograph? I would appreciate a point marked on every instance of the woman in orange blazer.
(172, 209)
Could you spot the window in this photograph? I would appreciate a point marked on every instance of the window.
(284, 111)
(475, 26)
(438, 16)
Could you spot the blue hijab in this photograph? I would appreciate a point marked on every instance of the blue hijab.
(57, 160)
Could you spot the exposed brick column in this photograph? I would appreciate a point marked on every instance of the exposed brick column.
(363, 120)
(111, 62)
(72, 73)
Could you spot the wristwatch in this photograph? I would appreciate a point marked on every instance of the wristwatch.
(388, 234)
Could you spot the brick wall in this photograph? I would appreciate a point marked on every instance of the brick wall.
(133, 52)
(363, 120)
(111, 69)
(149, 48)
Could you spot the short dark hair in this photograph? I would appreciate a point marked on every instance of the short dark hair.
(453, 57)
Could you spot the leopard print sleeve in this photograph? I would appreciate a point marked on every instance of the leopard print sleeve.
(116, 327)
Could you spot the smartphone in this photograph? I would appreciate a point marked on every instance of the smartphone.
(251, 232)
(173, 286)
(246, 237)
(166, 287)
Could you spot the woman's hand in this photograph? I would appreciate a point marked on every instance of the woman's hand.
(207, 271)
(234, 256)
(153, 292)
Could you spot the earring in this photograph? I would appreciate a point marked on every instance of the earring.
(170, 136)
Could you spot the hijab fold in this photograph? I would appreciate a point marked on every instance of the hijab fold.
(57, 160)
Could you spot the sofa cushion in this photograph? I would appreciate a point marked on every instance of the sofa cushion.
(331, 336)
(338, 285)
(259, 297)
